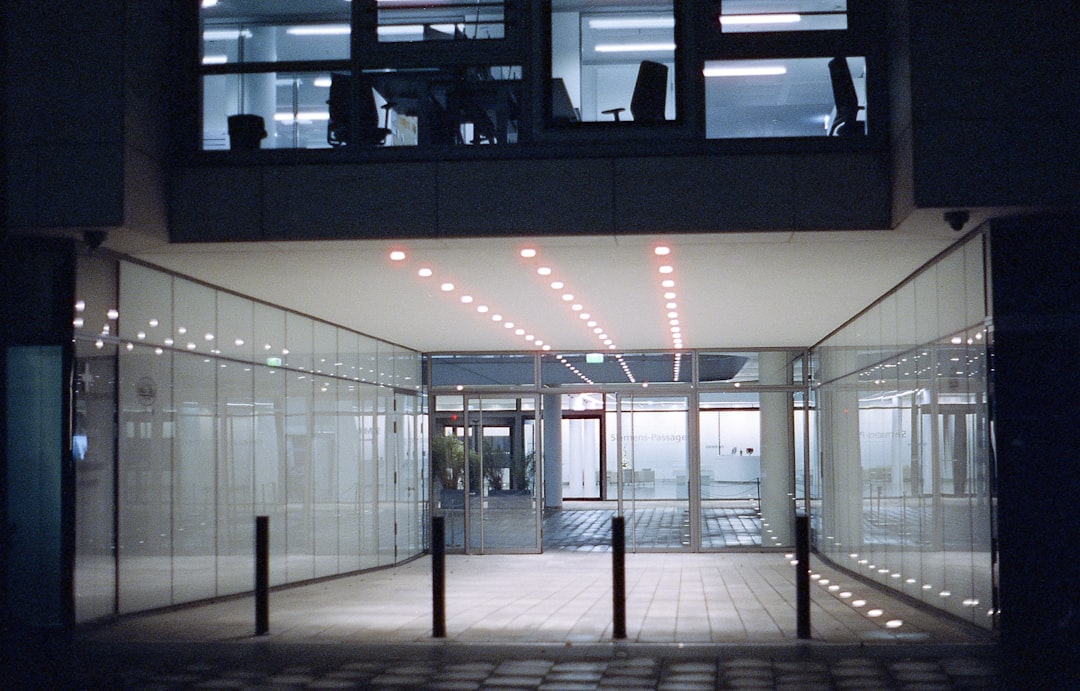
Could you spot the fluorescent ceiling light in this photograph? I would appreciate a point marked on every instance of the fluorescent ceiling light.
(301, 116)
(632, 23)
(319, 30)
(759, 19)
(215, 59)
(401, 30)
(225, 34)
(634, 47)
(758, 71)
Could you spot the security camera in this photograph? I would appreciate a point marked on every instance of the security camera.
(957, 219)
(94, 238)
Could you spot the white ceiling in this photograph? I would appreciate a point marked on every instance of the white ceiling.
(734, 290)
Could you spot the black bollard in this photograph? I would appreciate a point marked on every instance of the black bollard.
(802, 575)
(618, 575)
(262, 575)
(438, 577)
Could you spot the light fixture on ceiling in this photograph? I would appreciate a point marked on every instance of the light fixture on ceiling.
(657, 47)
(639, 22)
(397, 255)
(320, 30)
(745, 71)
(758, 19)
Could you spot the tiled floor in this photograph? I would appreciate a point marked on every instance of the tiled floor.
(561, 597)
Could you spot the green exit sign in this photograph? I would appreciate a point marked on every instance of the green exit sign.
(273, 362)
(594, 358)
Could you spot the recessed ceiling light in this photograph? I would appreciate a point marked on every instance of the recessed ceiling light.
(519, 332)
(557, 285)
(424, 272)
(528, 253)
(567, 297)
(577, 307)
(544, 271)
(508, 325)
(665, 269)
(669, 296)
(671, 305)
(397, 256)
(662, 250)
(583, 315)
(446, 287)
(668, 283)
(481, 308)
(466, 299)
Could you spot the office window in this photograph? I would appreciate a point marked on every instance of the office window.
(441, 20)
(788, 97)
(247, 31)
(746, 16)
(612, 63)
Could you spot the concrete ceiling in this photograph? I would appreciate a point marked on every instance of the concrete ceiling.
(733, 290)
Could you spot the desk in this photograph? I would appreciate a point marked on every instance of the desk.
(444, 102)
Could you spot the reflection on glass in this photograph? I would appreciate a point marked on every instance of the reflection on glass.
(742, 16)
(599, 59)
(907, 490)
(781, 97)
(441, 20)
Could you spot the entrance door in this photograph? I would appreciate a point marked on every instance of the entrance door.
(649, 464)
(485, 473)
(581, 474)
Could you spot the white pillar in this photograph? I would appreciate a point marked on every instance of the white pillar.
(777, 450)
(552, 451)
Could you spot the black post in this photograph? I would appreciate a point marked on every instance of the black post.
(618, 575)
(802, 575)
(438, 577)
(262, 575)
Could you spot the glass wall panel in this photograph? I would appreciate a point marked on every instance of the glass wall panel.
(729, 431)
(324, 475)
(916, 455)
(217, 427)
(299, 438)
(94, 404)
(194, 473)
(235, 477)
(147, 429)
(349, 457)
(271, 469)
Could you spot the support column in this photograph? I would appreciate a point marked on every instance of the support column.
(552, 451)
(777, 450)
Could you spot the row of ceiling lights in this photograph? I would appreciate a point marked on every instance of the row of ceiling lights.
(671, 306)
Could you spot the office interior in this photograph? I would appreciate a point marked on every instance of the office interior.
(221, 312)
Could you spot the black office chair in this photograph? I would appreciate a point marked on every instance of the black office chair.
(847, 122)
(650, 94)
(340, 129)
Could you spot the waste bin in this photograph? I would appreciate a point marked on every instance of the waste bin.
(246, 132)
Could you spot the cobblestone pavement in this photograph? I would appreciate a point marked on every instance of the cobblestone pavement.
(254, 665)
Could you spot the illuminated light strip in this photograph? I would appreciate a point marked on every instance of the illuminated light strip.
(604, 23)
(320, 30)
(301, 117)
(758, 71)
(634, 47)
(566, 297)
(496, 317)
(757, 19)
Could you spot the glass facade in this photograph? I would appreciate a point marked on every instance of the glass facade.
(906, 472)
(226, 409)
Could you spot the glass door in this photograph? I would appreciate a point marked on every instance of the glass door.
(484, 473)
(649, 464)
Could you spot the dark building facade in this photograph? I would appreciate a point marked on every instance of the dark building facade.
(109, 135)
